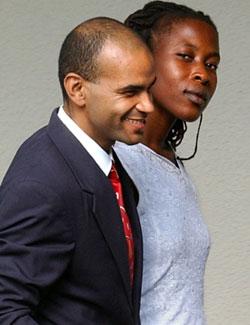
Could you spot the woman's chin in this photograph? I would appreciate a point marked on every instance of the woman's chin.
(190, 115)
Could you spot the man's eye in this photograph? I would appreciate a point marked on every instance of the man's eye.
(130, 94)
(212, 66)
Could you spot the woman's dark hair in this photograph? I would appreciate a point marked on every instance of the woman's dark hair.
(158, 17)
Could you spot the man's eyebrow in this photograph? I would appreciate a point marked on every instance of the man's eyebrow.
(130, 89)
(150, 85)
(134, 88)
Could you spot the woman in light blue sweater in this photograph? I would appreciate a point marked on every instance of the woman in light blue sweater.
(185, 46)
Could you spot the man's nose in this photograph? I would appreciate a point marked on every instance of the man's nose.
(145, 103)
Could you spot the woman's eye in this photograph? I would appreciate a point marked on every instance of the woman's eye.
(212, 66)
(185, 56)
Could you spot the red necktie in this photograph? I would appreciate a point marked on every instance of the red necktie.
(117, 186)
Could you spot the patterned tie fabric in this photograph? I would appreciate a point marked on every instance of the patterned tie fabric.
(116, 183)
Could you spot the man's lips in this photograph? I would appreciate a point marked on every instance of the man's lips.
(197, 97)
(137, 122)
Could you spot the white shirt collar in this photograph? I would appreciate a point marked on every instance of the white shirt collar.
(103, 160)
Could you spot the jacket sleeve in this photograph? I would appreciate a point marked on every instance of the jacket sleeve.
(35, 248)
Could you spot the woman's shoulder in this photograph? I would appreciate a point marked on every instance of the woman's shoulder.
(127, 152)
(131, 157)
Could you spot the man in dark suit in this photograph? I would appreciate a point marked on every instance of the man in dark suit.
(63, 252)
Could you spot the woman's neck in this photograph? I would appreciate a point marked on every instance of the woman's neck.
(158, 125)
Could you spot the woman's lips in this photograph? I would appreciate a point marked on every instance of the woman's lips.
(197, 98)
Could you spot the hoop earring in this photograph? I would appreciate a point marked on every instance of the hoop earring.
(196, 142)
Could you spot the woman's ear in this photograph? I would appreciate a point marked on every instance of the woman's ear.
(75, 88)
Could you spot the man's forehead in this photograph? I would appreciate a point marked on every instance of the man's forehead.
(126, 64)
(130, 46)
(122, 55)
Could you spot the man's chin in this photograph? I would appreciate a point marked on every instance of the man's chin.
(133, 140)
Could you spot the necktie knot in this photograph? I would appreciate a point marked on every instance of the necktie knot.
(113, 174)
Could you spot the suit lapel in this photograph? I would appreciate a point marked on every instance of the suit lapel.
(108, 217)
(92, 179)
(130, 193)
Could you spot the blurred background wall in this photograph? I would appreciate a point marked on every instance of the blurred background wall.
(31, 33)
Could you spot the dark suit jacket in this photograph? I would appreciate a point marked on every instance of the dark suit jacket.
(63, 255)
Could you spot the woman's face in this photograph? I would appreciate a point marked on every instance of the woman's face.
(186, 59)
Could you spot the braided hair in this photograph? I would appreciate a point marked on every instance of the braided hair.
(158, 17)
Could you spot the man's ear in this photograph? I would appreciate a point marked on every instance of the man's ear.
(75, 88)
